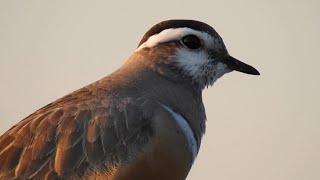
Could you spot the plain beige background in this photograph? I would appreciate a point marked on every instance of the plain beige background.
(258, 128)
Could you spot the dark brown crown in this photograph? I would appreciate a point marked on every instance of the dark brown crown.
(179, 23)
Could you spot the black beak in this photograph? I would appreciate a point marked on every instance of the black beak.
(237, 65)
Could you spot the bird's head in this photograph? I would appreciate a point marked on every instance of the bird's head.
(192, 49)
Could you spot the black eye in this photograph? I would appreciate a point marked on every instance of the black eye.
(191, 42)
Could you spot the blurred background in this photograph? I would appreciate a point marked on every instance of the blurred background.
(265, 127)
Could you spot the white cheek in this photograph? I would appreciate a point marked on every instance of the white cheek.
(198, 66)
(191, 61)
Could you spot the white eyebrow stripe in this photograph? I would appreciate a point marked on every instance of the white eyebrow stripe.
(175, 34)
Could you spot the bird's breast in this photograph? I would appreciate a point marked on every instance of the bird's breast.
(168, 156)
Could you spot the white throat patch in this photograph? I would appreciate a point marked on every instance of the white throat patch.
(175, 34)
(187, 131)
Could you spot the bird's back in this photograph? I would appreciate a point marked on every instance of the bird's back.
(81, 132)
(109, 130)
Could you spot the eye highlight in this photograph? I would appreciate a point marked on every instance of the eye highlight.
(191, 42)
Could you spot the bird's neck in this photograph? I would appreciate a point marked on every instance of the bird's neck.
(156, 82)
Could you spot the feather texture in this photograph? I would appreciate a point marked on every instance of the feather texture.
(74, 132)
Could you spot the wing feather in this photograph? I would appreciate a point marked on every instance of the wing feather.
(70, 146)
(72, 136)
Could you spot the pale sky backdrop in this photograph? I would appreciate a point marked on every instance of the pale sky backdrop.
(258, 128)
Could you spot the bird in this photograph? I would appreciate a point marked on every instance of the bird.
(144, 121)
